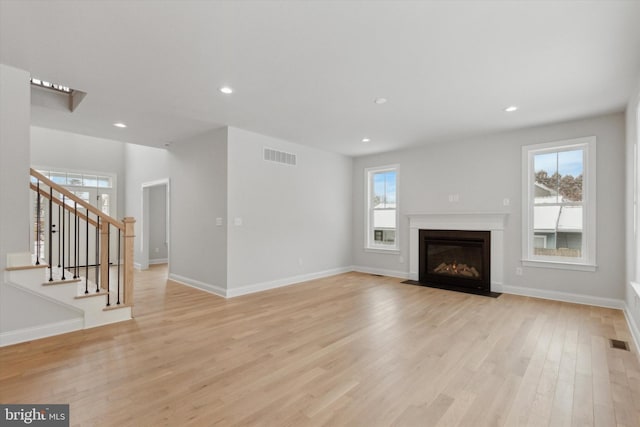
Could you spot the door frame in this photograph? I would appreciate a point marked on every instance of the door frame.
(143, 263)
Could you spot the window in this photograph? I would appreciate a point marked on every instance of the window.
(559, 204)
(97, 190)
(382, 208)
(78, 179)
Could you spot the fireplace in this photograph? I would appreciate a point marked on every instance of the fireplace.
(455, 259)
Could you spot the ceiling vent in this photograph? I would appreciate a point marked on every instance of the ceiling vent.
(52, 94)
(272, 155)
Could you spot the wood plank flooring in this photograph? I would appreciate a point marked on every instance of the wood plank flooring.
(350, 350)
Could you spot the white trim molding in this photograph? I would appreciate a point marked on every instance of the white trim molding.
(207, 287)
(380, 271)
(494, 222)
(287, 281)
(633, 329)
(634, 321)
(256, 287)
(587, 261)
(42, 331)
(564, 297)
(369, 244)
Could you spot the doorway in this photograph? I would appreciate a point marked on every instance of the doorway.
(155, 227)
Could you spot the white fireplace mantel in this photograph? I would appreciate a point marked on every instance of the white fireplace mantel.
(494, 222)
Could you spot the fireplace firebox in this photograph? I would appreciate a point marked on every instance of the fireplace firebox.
(455, 259)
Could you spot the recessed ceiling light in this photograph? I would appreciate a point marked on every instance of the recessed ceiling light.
(380, 101)
(120, 125)
(511, 109)
(226, 90)
(366, 139)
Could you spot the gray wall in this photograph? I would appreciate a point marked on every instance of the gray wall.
(158, 249)
(483, 171)
(142, 165)
(72, 151)
(198, 247)
(296, 220)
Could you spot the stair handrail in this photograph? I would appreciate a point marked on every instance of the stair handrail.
(126, 226)
(69, 195)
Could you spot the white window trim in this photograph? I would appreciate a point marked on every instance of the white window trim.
(588, 260)
(369, 246)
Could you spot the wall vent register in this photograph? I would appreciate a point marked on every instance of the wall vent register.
(272, 155)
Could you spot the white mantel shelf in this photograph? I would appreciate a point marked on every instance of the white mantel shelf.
(473, 221)
(459, 220)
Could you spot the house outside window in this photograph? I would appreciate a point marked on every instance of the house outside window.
(382, 209)
(559, 209)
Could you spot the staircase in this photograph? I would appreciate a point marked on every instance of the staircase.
(82, 258)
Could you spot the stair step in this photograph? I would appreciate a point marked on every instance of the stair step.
(116, 307)
(26, 267)
(91, 294)
(61, 282)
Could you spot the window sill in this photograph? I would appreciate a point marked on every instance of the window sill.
(559, 265)
(383, 251)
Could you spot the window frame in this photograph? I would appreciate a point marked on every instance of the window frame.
(369, 242)
(588, 260)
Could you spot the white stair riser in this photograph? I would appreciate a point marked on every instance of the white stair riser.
(94, 318)
(92, 307)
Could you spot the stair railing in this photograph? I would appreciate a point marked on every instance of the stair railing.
(71, 236)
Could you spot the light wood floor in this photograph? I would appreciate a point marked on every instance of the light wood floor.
(351, 350)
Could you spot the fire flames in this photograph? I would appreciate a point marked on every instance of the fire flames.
(455, 269)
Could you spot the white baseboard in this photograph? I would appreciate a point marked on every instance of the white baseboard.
(563, 296)
(278, 283)
(633, 328)
(137, 266)
(380, 271)
(158, 261)
(207, 287)
(37, 332)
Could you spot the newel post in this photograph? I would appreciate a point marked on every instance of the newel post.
(129, 237)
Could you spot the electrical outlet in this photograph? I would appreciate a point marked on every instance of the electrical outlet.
(518, 271)
(218, 221)
(506, 201)
(454, 198)
(157, 250)
(401, 259)
(237, 221)
(300, 261)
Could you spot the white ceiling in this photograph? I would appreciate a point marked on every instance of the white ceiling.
(308, 71)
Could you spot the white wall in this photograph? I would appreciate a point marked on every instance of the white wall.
(158, 249)
(40, 311)
(72, 151)
(198, 169)
(485, 170)
(19, 309)
(15, 117)
(633, 242)
(142, 165)
(296, 220)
